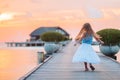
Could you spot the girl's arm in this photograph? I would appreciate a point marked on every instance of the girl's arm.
(97, 37)
(78, 39)
(79, 34)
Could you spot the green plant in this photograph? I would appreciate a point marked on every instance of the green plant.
(52, 37)
(110, 36)
(65, 38)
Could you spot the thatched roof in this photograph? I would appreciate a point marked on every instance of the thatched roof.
(42, 30)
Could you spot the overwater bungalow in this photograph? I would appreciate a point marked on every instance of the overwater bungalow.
(35, 35)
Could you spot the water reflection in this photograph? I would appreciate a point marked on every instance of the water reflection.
(15, 62)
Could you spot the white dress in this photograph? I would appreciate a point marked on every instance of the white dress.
(85, 52)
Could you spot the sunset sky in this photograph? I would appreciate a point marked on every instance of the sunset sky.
(18, 18)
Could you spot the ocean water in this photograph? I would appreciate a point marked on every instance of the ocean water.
(17, 61)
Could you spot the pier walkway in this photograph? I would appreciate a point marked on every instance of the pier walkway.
(60, 67)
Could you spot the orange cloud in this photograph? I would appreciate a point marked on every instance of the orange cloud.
(6, 16)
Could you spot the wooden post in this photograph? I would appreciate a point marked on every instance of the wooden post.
(40, 57)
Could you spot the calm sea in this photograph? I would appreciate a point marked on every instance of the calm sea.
(17, 61)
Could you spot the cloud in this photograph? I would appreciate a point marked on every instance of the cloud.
(94, 12)
(36, 1)
(5, 16)
(111, 13)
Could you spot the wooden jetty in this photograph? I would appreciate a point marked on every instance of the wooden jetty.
(24, 44)
(60, 67)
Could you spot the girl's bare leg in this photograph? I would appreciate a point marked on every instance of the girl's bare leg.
(86, 68)
(92, 67)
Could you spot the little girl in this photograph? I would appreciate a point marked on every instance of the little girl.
(85, 52)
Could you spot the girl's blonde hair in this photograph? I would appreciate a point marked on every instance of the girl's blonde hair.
(87, 30)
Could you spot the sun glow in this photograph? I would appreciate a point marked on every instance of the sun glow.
(5, 16)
